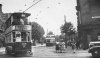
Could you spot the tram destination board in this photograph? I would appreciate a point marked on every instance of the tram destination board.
(22, 27)
(18, 27)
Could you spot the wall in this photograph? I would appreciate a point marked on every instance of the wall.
(89, 27)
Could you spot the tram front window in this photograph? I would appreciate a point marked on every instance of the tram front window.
(23, 36)
(18, 38)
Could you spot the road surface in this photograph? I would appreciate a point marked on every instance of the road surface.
(49, 52)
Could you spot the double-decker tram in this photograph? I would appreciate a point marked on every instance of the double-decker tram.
(18, 34)
(50, 40)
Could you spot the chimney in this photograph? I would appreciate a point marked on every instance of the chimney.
(0, 8)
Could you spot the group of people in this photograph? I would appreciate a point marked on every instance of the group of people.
(60, 47)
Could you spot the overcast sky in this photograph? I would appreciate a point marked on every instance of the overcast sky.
(48, 13)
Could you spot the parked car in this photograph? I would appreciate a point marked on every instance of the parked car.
(94, 48)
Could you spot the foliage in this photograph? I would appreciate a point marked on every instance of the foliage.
(62, 36)
(57, 37)
(67, 28)
(50, 33)
(37, 31)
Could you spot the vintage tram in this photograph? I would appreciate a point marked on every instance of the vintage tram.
(18, 34)
(50, 40)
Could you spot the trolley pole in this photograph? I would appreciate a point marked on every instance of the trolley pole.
(31, 6)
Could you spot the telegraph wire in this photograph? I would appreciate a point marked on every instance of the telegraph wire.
(32, 5)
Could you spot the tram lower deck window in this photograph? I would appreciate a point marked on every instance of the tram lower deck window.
(21, 36)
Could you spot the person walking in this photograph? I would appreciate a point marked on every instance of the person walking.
(57, 47)
(73, 46)
(78, 45)
(63, 47)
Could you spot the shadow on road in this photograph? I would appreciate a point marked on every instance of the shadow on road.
(3, 55)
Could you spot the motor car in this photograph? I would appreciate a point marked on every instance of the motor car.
(94, 48)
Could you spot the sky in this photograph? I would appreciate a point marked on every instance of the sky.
(47, 13)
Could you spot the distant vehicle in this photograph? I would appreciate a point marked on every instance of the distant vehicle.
(94, 48)
(18, 34)
(50, 40)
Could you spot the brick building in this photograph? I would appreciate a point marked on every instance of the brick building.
(88, 15)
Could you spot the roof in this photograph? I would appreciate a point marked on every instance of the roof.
(94, 42)
(20, 13)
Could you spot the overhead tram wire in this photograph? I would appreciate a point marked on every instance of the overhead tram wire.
(31, 6)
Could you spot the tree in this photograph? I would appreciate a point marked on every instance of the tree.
(50, 33)
(62, 36)
(67, 28)
(57, 38)
(37, 31)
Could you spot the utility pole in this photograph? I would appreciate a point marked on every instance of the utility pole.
(65, 18)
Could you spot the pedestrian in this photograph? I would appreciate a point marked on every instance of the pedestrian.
(66, 44)
(60, 47)
(73, 46)
(57, 47)
(77, 45)
(63, 46)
